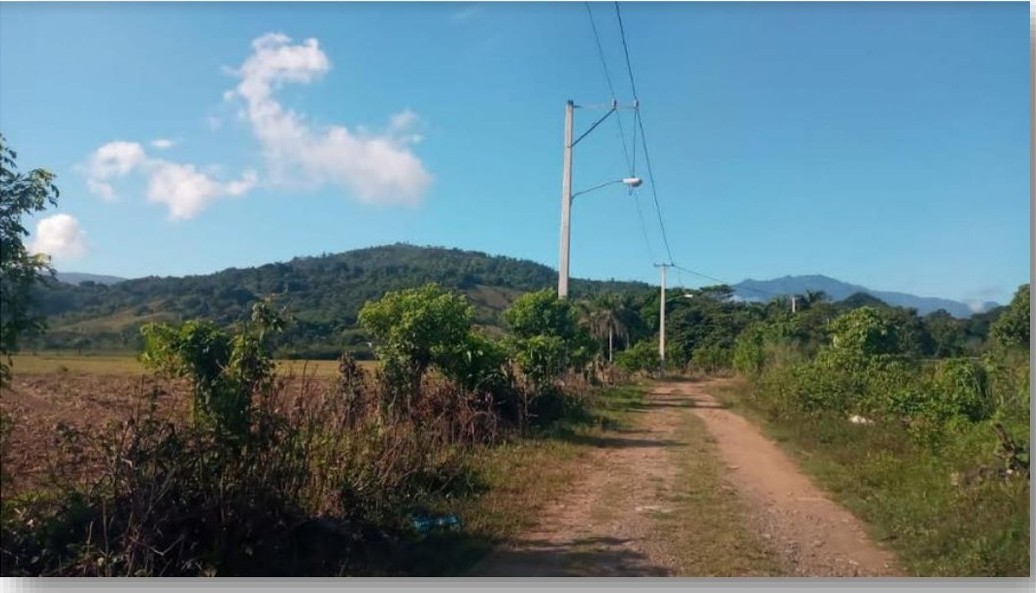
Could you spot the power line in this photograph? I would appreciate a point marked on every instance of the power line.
(714, 279)
(630, 162)
(654, 188)
(643, 227)
(639, 125)
(626, 50)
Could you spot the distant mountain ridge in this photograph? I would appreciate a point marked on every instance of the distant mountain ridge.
(78, 278)
(836, 290)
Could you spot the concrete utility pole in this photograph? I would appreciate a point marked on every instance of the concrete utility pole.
(566, 189)
(661, 322)
(566, 204)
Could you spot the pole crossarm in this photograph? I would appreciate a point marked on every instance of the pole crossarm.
(596, 123)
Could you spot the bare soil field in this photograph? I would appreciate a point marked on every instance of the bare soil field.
(40, 406)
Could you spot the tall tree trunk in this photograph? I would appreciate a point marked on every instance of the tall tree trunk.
(611, 332)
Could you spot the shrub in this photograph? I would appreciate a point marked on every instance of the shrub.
(712, 358)
(640, 358)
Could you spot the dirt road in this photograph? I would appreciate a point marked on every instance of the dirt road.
(611, 522)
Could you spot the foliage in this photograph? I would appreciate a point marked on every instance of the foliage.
(948, 335)
(415, 329)
(1011, 330)
(546, 337)
(325, 294)
(609, 317)
(748, 358)
(865, 332)
(712, 358)
(224, 371)
(477, 363)
(642, 357)
(20, 194)
(318, 487)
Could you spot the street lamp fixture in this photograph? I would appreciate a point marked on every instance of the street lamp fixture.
(630, 182)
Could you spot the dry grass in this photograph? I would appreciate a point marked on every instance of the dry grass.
(122, 364)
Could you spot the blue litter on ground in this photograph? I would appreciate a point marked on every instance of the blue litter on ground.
(424, 523)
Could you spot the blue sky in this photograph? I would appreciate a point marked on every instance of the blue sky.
(884, 144)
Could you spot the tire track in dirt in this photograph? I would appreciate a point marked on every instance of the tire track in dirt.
(811, 534)
(606, 526)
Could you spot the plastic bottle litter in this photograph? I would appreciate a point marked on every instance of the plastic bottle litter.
(424, 523)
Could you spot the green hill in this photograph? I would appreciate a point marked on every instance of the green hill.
(322, 294)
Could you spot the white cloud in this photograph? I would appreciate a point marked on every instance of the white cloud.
(214, 122)
(183, 189)
(374, 167)
(59, 236)
(162, 143)
(112, 161)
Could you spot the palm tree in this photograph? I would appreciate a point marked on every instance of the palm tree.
(607, 318)
(815, 296)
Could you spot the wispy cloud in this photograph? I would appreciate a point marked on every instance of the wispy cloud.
(59, 236)
(377, 167)
(469, 11)
(372, 167)
(977, 300)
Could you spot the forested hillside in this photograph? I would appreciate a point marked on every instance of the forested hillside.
(322, 294)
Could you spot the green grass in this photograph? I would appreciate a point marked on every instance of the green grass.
(903, 491)
(707, 510)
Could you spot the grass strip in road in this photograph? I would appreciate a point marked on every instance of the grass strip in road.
(709, 529)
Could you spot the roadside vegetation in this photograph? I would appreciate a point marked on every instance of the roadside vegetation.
(461, 427)
(932, 453)
(352, 480)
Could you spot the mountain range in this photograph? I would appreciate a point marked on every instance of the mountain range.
(836, 290)
(747, 290)
(78, 278)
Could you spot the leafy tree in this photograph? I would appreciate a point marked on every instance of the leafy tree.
(225, 371)
(749, 356)
(813, 297)
(1011, 330)
(20, 271)
(476, 363)
(948, 337)
(546, 336)
(414, 329)
(865, 332)
(861, 299)
(640, 357)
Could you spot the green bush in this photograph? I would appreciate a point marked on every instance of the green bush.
(642, 357)
(748, 357)
(712, 358)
